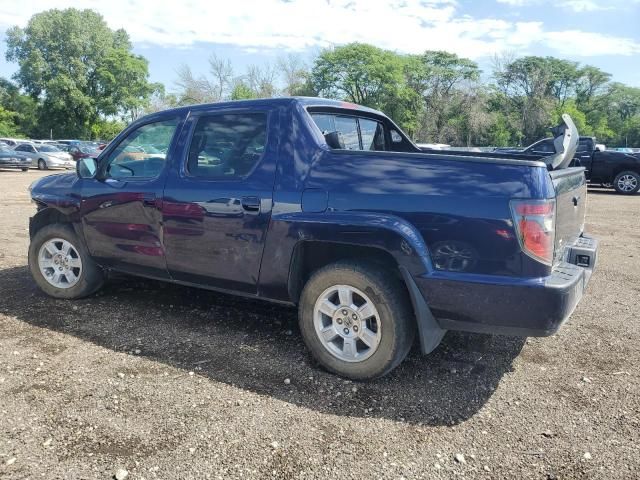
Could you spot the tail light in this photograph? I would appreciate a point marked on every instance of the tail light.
(535, 225)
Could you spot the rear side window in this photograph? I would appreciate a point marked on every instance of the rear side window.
(357, 133)
(348, 127)
(584, 146)
(372, 134)
(324, 122)
(227, 146)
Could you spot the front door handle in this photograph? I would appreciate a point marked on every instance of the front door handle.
(251, 204)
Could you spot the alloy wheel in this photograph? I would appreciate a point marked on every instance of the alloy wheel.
(347, 323)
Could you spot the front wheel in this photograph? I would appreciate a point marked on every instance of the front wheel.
(60, 264)
(42, 165)
(356, 320)
(627, 183)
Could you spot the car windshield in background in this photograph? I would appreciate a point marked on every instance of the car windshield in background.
(48, 148)
(4, 149)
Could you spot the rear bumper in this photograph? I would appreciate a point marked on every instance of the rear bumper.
(59, 162)
(507, 305)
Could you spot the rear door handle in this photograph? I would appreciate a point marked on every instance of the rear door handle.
(149, 199)
(251, 204)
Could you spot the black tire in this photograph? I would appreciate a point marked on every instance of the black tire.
(390, 298)
(42, 165)
(624, 188)
(91, 277)
(24, 169)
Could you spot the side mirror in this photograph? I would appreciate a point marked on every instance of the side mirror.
(334, 140)
(86, 167)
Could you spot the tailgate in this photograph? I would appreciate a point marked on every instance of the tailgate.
(571, 205)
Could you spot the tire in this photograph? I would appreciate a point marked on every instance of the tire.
(24, 169)
(42, 165)
(78, 281)
(393, 324)
(627, 183)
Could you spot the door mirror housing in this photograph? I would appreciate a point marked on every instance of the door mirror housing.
(87, 167)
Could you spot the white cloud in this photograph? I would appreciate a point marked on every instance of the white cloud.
(577, 6)
(403, 25)
(584, 44)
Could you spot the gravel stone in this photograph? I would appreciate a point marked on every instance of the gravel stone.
(459, 458)
(245, 422)
(121, 474)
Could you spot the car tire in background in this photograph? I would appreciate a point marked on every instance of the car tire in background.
(627, 183)
(356, 319)
(61, 265)
(24, 169)
(42, 165)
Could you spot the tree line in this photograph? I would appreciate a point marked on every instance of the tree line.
(80, 79)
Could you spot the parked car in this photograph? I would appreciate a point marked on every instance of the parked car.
(9, 158)
(328, 206)
(610, 168)
(82, 151)
(46, 156)
(12, 142)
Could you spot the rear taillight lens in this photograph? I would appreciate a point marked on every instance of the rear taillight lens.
(535, 224)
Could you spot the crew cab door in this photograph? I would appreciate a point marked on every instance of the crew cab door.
(121, 208)
(584, 155)
(218, 198)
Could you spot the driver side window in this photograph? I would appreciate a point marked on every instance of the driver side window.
(143, 152)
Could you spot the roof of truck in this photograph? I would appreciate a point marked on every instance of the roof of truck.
(262, 102)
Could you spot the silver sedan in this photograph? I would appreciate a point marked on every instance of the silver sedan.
(46, 156)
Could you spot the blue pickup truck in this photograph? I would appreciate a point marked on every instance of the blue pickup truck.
(330, 207)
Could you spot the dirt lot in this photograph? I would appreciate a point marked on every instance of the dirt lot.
(170, 382)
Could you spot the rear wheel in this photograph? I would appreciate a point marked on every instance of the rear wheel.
(42, 165)
(356, 320)
(627, 183)
(60, 264)
(24, 169)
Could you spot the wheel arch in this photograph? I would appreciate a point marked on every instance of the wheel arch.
(49, 216)
(385, 240)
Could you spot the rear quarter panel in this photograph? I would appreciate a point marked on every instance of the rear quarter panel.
(460, 207)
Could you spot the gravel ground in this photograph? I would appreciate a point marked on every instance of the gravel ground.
(161, 381)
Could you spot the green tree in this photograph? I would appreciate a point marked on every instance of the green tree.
(242, 91)
(366, 75)
(22, 108)
(443, 84)
(107, 129)
(77, 69)
(8, 127)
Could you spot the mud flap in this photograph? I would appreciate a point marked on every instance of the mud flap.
(429, 331)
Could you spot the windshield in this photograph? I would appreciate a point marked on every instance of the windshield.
(4, 149)
(48, 148)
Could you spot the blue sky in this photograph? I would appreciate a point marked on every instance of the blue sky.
(168, 34)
